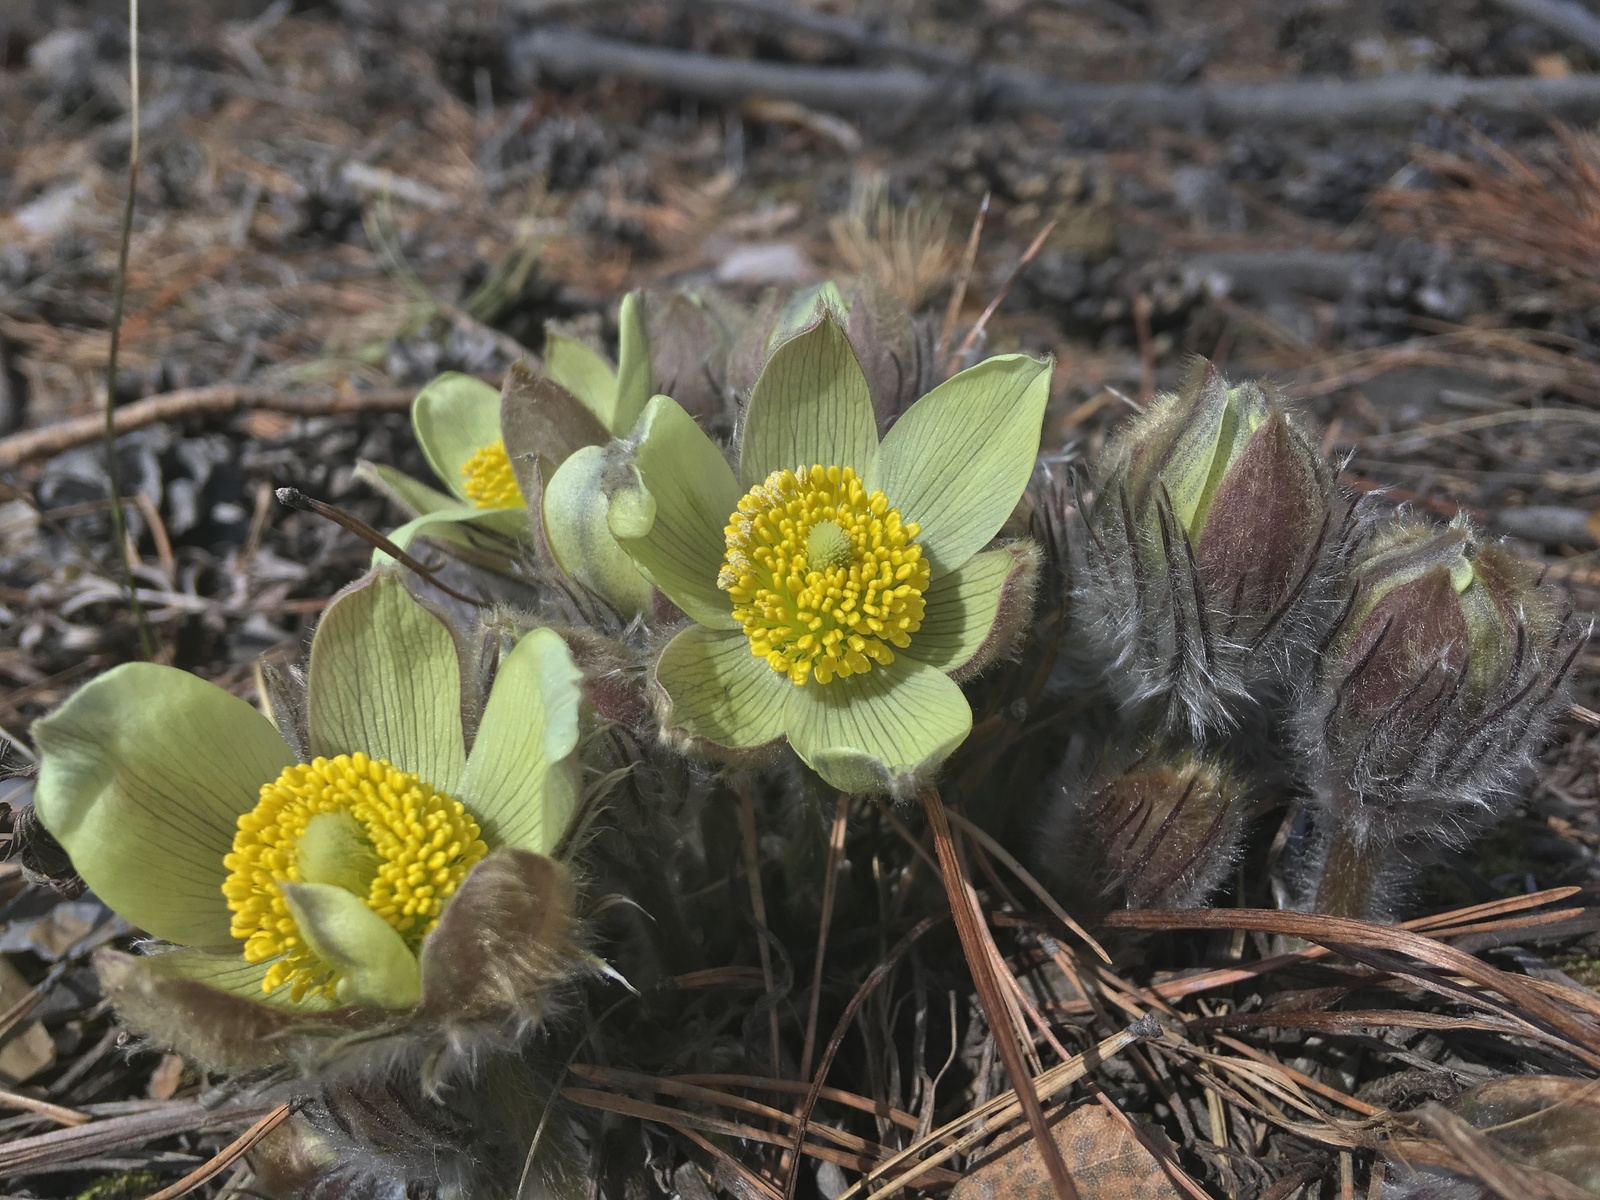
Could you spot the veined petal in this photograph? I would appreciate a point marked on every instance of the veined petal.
(455, 416)
(958, 460)
(374, 963)
(810, 405)
(717, 690)
(143, 776)
(633, 367)
(385, 680)
(485, 537)
(521, 782)
(670, 509)
(584, 373)
(881, 731)
(575, 526)
(973, 614)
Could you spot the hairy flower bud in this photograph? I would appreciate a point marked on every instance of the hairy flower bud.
(1211, 564)
(1159, 833)
(1432, 688)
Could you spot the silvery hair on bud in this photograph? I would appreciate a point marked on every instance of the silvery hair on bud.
(1174, 647)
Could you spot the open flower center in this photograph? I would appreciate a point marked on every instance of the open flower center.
(490, 481)
(824, 576)
(354, 822)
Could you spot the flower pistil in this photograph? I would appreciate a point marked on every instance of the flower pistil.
(824, 576)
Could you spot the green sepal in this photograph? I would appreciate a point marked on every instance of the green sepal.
(143, 776)
(375, 965)
(385, 680)
(810, 406)
(974, 614)
(584, 372)
(521, 781)
(957, 462)
(669, 508)
(454, 417)
(715, 690)
(885, 731)
(411, 496)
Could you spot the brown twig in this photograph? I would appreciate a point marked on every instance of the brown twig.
(958, 294)
(975, 944)
(170, 406)
(226, 1157)
(1028, 255)
(294, 498)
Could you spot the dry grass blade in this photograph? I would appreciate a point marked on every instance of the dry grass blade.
(868, 986)
(987, 1119)
(62, 1147)
(1506, 1180)
(958, 294)
(1346, 936)
(226, 1157)
(977, 944)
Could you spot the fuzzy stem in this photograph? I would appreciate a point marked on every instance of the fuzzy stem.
(1349, 874)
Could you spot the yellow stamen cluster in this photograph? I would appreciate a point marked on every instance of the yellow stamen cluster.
(407, 849)
(491, 483)
(824, 577)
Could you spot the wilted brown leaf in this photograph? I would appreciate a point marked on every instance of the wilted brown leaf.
(1106, 1161)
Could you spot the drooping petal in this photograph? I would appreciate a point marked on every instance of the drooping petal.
(717, 690)
(410, 495)
(521, 782)
(575, 526)
(633, 367)
(956, 463)
(504, 940)
(375, 966)
(455, 416)
(143, 776)
(810, 406)
(973, 614)
(882, 731)
(669, 510)
(486, 537)
(385, 680)
(584, 373)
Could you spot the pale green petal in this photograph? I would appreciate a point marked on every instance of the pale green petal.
(375, 965)
(633, 367)
(670, 510)
(487, 537)
(521, 781)
(575, 526)
(384, 680)
(411, 495)
(717, 690)
(810, 406)
(143, 775)
(455, 416)
(973, 612)
(584, 373)
(958, 460)
(880, 731)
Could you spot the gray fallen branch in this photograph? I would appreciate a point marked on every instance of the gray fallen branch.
(568, 55)
(1563, 16)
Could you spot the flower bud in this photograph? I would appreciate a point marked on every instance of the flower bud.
(1432, 688)
(1211, 566)
(1162, 832)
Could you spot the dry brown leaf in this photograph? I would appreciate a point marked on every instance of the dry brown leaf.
(1106, 1161)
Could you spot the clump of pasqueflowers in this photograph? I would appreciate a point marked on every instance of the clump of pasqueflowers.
(1160, 832)
(388, 861)
(836, 584)
(1212, 554)
(1440, 677)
